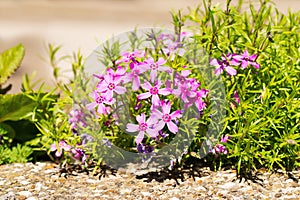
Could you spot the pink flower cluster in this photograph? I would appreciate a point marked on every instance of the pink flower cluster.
(143, 73)
(77, 153)
(229, 60)
(220, 148)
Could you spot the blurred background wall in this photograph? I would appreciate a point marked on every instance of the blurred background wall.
(82, 24)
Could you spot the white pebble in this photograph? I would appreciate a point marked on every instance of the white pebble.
(201, 189)
(2, 182)
(31, 198)
(25, 193)
(229, 186)
(146, 194)
(38, 186)
(24, 182)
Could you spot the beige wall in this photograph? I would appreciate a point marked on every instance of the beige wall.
(80, 24)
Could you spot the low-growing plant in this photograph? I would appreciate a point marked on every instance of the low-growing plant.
(263, 117)
(173, 93)
(19, 111)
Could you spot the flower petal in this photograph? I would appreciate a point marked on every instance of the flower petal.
(120, 90)
(136, 83)
(120, 71)
(218, 71)
(147, 86)
(214, 62)
(161, 124)
(91, 106)
(132, 127)
(153, 75)
(52, 147)
(231, 71)
(256, 65)
(165, 91)
(244, 64)
(140, 137)
(144, 95)
(176, 114)
(172, 127)
(141, 118)
(152, 132)
(155, 100)
(166, 107)
(161, 61)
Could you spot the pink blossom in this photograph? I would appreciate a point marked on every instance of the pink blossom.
(247, 59)
(186, 34)
(225, 64)
(173, 49)
(166, 118)
(220, 149)
(149, 64)
(62, 145)
(144, 126)
(133, 76)
(224, 138)
(79, 154)
(236, 97)
(184, 91)
(200, 104)
(153, 91)
(110, 84)
(100, 100)
(130, 56)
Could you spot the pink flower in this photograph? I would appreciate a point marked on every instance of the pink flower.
(186, 34)
(225, 64)
(110, 84)
(173, 49)
(79, 155)
(130, 56)
(144, 126)
(224, 138)
(76, 119)
(62, 145)
(184, 90)
(153, 91)
(149, 64)
(166, 118)
(246, 60)
(236, 97)
(100, 100)
(162, 37)
(220, 149)
(134, 75)
(119, 73)
(199, 99)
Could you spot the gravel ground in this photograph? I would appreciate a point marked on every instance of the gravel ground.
(47, 181)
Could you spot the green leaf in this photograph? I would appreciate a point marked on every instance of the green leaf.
(15, 107)
(7, 130)
(10, 60)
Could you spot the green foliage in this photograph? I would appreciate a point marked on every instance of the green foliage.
(19, 111)
(15, 107)
(10, 60)
(16, 154)
(264, 127)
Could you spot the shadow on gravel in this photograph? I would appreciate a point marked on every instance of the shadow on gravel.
(191, 168)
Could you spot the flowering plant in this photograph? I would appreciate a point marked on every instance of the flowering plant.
(158, 96)
(143, 95)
